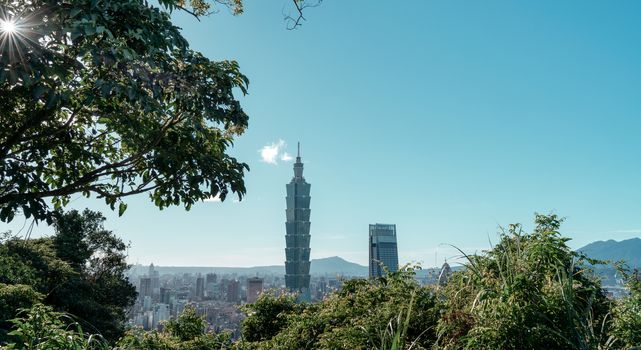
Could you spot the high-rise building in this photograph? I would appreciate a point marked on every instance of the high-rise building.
(254, 288)
(382, 249)
(165, 295)
(297, 235)
(146, 303)
(211, 285)
(148, 319)
(155, 282)
(211, 278)
(233, 291)
(145, 288)
(200, 287)
(161, 313)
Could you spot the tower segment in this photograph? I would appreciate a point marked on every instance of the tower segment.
(297, 237)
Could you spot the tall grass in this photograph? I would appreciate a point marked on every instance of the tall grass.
(394, 336)
(40, 328)
(525, 293)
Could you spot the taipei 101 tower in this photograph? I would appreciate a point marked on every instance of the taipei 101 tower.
(297, 236)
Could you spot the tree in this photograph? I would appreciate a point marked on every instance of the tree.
(267, 316)
(29, 270)
(187, 332)
(80, 271)
(12, 298)
(107, 98)
(99, 293)
(365, 314)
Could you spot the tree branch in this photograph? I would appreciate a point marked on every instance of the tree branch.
(299, 6)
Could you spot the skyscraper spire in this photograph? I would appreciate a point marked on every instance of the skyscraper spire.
(297, 237)
(298, 166)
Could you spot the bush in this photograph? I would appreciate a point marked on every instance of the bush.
(626, 325)
(12, 298)
(364, 314)
(528, 292)
(40, 328)
(187, 332)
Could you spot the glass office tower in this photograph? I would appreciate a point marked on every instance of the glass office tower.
(382, 249)
(297, 235)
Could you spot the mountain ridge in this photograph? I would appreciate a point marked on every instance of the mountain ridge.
(628, 250)
(333, 265)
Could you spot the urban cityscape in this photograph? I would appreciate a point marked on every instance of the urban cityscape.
(475, 171)
(217, 296)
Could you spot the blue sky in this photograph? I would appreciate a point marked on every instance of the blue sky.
(447, 118)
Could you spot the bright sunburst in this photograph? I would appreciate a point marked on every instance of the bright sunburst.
(15, 38)
(8, 26)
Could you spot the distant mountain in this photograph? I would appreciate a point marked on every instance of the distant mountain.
(628, 250)
(337, 266)
(325, 266)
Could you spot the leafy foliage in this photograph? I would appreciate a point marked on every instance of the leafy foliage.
(360, 316)
(13, 297)
(98, 293)
(187, 332)
(107, 98)
(201, 7)
(627, 312)
(40, 328)
(528, 292)
(80, 270)
(268, 316)
(34, 263)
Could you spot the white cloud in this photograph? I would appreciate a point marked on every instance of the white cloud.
(274, 152)
(286, 157)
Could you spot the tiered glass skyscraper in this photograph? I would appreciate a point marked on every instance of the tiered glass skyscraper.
(382, 249)
(297, 235)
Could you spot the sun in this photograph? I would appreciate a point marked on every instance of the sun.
(8, 26)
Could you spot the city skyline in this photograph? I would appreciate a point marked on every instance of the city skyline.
(446, 130)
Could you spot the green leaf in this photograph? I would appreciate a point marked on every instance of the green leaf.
(121, 208)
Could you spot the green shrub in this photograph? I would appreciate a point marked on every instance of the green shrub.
(365, 314)
(187, 332)
(12, 298)
(528, 292)
(40, 328)
(626, 325)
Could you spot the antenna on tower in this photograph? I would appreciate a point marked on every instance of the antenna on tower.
(298, 150)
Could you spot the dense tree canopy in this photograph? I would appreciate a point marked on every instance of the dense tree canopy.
(187, 332)
(80, 270)
(106, 98)
(365, 314)
(99, 294)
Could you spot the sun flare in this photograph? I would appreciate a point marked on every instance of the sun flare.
(8, 26)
